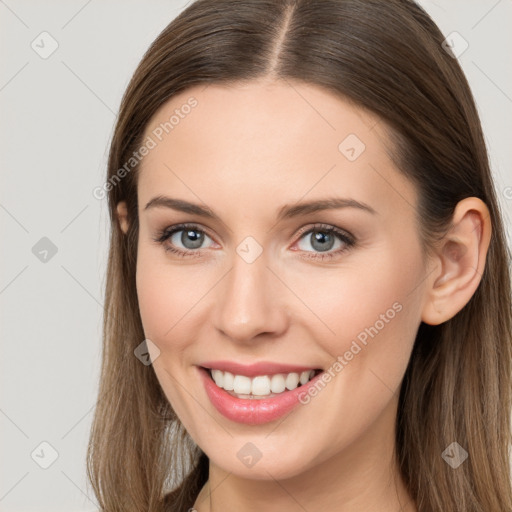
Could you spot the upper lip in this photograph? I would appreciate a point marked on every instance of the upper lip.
(254, 369)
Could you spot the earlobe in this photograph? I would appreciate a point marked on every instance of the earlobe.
(460, 262)
(122, 216)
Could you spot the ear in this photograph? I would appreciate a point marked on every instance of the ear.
(122, 216)
(459, 262)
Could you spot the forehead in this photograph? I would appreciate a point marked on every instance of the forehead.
(269, 140)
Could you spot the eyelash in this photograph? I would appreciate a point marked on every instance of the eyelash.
(349, 241)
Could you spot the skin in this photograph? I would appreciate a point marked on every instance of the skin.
(245, 151)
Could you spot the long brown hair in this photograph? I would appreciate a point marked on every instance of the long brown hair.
(387, 57)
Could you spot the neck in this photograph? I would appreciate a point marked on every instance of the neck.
(365, 476)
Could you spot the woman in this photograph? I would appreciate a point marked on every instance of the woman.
(245, 366)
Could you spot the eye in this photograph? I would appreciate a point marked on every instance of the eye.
(323, 238)
(190, 236)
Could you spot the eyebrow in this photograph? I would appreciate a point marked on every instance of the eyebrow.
(285, 212)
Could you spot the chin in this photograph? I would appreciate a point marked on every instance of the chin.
(270, 465)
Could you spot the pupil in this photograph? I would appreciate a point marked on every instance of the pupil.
(321, 238)
(192, 236)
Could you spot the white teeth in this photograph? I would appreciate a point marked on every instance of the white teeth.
(292, 381)
(262, 385)
(241, 384)
(304, 377)
(228, 381)
(277, 384)
(217, 377)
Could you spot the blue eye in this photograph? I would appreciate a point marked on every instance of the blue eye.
(322, 238)
(192, 237)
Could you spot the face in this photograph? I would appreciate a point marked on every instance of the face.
(262, 287)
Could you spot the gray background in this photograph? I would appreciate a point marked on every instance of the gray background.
(57, 118)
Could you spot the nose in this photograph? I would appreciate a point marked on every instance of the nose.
(250, 301)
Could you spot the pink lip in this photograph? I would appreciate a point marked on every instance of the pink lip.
(252, 411)
(252, 370)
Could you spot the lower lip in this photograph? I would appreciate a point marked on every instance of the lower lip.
(253, 411)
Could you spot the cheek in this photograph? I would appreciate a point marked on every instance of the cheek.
(370, 311)
(374, 312)
(156, 302)
(154, 292)
(169, 295)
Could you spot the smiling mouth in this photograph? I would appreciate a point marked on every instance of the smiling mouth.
(261, 386)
